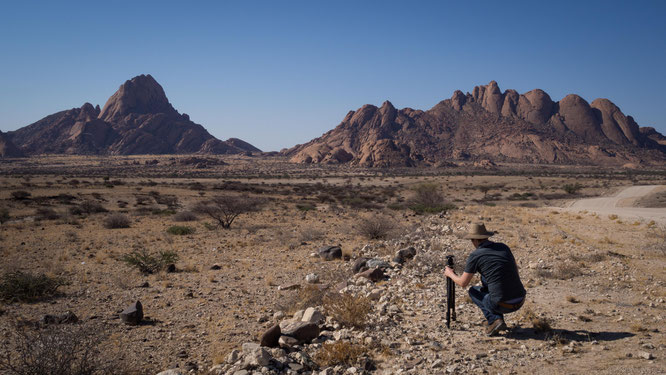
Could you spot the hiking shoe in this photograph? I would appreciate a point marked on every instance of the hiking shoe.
(496, 326)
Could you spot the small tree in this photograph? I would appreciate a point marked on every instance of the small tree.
(226, 208)
(572, 188)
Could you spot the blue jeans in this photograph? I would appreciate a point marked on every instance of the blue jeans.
(490, 310)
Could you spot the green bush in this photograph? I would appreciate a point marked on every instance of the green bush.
(19, 286)
(150, 263)
(180, 230)
(306, 207)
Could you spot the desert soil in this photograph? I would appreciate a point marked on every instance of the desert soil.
(595, 278)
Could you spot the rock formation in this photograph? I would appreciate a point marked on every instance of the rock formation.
(137, 119)
(8, 149)
(488, 125)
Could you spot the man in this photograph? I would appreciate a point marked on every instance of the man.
(501, 291)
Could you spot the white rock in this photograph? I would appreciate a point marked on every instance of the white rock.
(312, 278)
(645, 355)
(313, 315)
(171, 372)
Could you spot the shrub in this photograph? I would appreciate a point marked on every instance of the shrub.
(54, 350)
(572, 188)
(185, 216)
(311, 234)
(226, 208)
(540, 324)
(306, 207)
(562, 272)
(19, 286)
(340, 353)
(87, 207)
(347, 309)
(376, 227)
(150, 263)
(180, 230)
(116, 221)
(45, 213)
(4, 215)
(428, 198)
(20, 195)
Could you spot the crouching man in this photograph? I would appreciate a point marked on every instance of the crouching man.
(501, 291)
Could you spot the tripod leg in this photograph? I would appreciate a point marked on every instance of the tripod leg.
(448, 303)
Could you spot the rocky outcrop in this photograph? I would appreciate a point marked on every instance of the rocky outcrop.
(8, 149)
(487, 125)
(137, 119)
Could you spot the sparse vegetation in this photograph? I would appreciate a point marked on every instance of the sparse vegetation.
(428, 198)
(540, 324)
(150, 263)
(375, 227)
(54, 350)
(87, 207)
(347, 309)
(185, 216)
(226, 208)
(20, 195)
(180, 230)
(46, 213)
(116, 221)
(4, 215)
(340, 353)
(572, 189)
(19, 286)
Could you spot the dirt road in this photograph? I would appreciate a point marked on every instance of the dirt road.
(620, 205)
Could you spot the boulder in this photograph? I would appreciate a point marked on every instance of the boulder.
(377, 263)
(374, 274)
(271, 337)
(330, 252)
(312, 315)
(133, 314)
(287, 342)
(401, 256)
(301, 331)
(360, 265)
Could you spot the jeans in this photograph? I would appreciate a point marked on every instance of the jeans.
(490, 310)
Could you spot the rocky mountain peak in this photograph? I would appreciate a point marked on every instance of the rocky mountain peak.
(141, 94)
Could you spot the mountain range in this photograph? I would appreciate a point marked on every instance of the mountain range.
(137, 119)
(485, 126)
(488, 125)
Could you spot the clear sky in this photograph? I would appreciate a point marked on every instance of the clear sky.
(278, 73)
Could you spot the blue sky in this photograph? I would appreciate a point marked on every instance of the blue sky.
(278, 73)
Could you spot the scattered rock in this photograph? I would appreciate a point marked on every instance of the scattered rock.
(330, 252)
(289, 287)
(373, 275)
(404, 254)
(133, 314)
(215, 267)
(287, 342)
(645, 355)
(378, 263)
(171, 372)
(360, 265)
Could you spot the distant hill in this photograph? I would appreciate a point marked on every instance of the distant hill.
(137, 119)
(488, 125)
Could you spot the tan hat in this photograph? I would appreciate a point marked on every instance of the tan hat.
(478, 232)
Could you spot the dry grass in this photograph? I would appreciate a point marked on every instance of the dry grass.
(347, 309)
(572, 299)
(340, 353)
(376, 227)
(540, 324)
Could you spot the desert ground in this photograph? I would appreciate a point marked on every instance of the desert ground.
(594, 272)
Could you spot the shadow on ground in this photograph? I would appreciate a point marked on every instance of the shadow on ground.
(520, 333)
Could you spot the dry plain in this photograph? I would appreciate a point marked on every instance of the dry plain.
(595, 280)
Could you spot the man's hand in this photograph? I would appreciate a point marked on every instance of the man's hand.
(463, 280)
(448, 272)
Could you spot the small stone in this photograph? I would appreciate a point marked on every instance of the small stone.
(289, 286)
(215, 267)
(437, 364)
(645, 355)
(233, 357)
(312, 278)
(133, 314)
(171, 372)
(378, 263)
(68, 317)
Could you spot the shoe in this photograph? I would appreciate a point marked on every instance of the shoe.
(496, 326)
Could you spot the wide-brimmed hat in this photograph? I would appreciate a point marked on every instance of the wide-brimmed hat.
(478, 232)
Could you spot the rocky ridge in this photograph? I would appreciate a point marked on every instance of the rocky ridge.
(137, 119)
(487, 124)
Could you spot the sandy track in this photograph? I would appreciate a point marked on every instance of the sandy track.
(620, 205)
